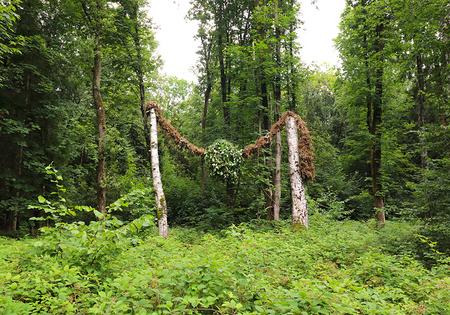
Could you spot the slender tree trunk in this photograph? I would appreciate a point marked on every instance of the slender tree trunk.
(277, 96)
(421, 103)
(442, 95)
(161, 205)
(231, 193)
(207, 55)
(101, 122)
(140, 74)
(13, 224)
(299, 205)
(14, 221)
(268, 192)
(144, 116)
(205, 113)
(369, 88)
(223, 79)
(277, 179)
(292, 83)
(262, 80)
(375, 152)
(223, 87)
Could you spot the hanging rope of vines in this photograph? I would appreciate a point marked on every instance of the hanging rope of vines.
(305, 145)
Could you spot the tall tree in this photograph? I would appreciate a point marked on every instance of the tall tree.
(207, 79)
(133, 56)
(161, 205)
(361, 44)
(96, 16)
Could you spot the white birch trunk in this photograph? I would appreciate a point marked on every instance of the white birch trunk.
(161, 205)
(299, 206)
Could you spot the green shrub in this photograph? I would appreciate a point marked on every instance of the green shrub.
(91, 246)
(259, 267)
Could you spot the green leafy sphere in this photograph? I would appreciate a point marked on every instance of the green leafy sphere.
(224, 160)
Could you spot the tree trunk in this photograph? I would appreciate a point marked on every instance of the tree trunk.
(292, 81)
(223, 79)
(101, 122)
(421, 103)
(205, 113)
(267, 190)
(277, 95)
(161, 205)
(375, 152)
(231, 194)
(441, 94)
(140, 74)
(299, 205)
(277, 179)
(14, 215)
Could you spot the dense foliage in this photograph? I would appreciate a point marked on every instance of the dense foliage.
(224, 161)
(255, 268)
(74, 79)
(386, 107)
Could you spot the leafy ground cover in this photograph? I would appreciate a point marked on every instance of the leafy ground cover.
(335, 267)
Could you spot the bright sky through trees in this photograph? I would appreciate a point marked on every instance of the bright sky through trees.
(178, 47)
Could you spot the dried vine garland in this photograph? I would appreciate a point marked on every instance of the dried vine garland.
(305, 145)
(170, 131)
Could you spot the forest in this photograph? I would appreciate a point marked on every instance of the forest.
(85, 110)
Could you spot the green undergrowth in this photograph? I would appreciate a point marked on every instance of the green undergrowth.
(342, 267)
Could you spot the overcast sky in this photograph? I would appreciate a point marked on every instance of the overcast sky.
(178, 47)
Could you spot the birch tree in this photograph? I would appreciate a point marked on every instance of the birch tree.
(299, 205)
(161, 205)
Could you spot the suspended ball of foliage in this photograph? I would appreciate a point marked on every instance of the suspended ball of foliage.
(224, 160)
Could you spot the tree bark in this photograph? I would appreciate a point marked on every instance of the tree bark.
(161, 205)
(299, 205)
(101, 122)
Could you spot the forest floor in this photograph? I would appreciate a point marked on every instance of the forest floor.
(344, 267)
